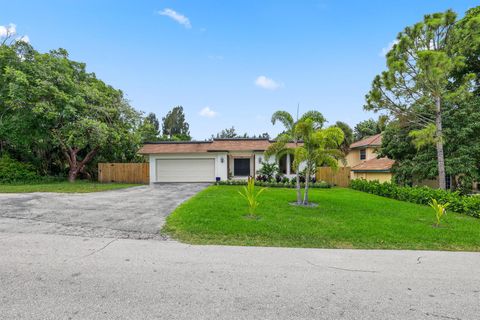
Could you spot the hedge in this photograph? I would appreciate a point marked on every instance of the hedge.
(320, 184)
(469, 205)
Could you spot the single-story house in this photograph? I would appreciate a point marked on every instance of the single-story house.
(364, 162)
(206, 161)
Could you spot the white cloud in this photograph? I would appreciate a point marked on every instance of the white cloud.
(207, 112)
(267, 83)
(25, 39)
(178, 17)
(8, 30)
(385, 50)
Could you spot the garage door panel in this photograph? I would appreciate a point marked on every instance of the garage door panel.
(185, 170)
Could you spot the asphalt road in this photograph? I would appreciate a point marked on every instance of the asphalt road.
(65, 277)
(137, 213)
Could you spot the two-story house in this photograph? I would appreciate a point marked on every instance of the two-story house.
(363, 161)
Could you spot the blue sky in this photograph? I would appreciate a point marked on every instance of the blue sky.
(228, 62)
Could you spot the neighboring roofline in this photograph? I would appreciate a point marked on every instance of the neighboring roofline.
(366, 146)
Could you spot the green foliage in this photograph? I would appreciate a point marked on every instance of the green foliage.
(251, 195)
(424, 137)
(14, 171)
(348, 136)
(58, 117)
(283, 143)
(425, 71)
(370, 127)
(274, 184)
(228, 133)
(439, 209)
(174, 125)
(268, 170)
(461, 124)
(149, 129)
(469, 205)
(321, 147)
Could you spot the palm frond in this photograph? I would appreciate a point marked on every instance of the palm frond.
(316, 116)
(285, 118)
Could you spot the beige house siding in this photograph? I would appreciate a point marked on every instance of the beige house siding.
(353, 157)
(371, 176)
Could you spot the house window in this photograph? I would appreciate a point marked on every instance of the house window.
(282, 164)
(363, 154)
(241, 167)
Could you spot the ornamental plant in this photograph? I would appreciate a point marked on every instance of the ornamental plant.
(439, 208)
(251, 195)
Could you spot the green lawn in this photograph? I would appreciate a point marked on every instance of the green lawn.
(63, 186)
(345, 218)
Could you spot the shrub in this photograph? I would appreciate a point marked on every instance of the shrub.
(272, 184)
(12, 171)
(469, 205)
(268, 171)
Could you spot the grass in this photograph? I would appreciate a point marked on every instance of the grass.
(63, 187)
(345, 218)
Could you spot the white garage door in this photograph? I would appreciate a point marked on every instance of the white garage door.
(185, 170)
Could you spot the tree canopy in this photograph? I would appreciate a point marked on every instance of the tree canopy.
(418, 81)
(57, 116)
(174, 125)
(433, 84)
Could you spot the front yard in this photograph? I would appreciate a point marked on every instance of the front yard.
(63, 187)
(345, 218)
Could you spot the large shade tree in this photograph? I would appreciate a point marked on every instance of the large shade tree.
(58, 108)
(283, 144)
(418, 82)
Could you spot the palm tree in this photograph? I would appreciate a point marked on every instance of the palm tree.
(281, 146)
(321, 147)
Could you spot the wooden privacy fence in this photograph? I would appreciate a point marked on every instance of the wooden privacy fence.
(124, 172)
(339, 178)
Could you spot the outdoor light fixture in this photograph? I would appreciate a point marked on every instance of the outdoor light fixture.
(221, 160)
(260, 159)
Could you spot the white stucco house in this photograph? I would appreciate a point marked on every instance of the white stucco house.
(207, 161)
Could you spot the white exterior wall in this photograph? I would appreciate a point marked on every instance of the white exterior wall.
(220, 168)
(273, 159)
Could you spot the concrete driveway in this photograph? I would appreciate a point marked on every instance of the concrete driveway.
(137, 212)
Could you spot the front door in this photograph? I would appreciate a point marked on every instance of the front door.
(241, 167)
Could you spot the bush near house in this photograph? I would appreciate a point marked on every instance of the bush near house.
(469, 205)
(273, 184)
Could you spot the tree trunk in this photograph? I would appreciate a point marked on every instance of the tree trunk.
(297, 178)
(299, 191)
(77, 167)
(307, 179)
(72, 174)
(439, 144)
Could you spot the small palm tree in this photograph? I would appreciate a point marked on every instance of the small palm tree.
(250, 194)
(440, 209)
(282, 145)
(321, 147)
